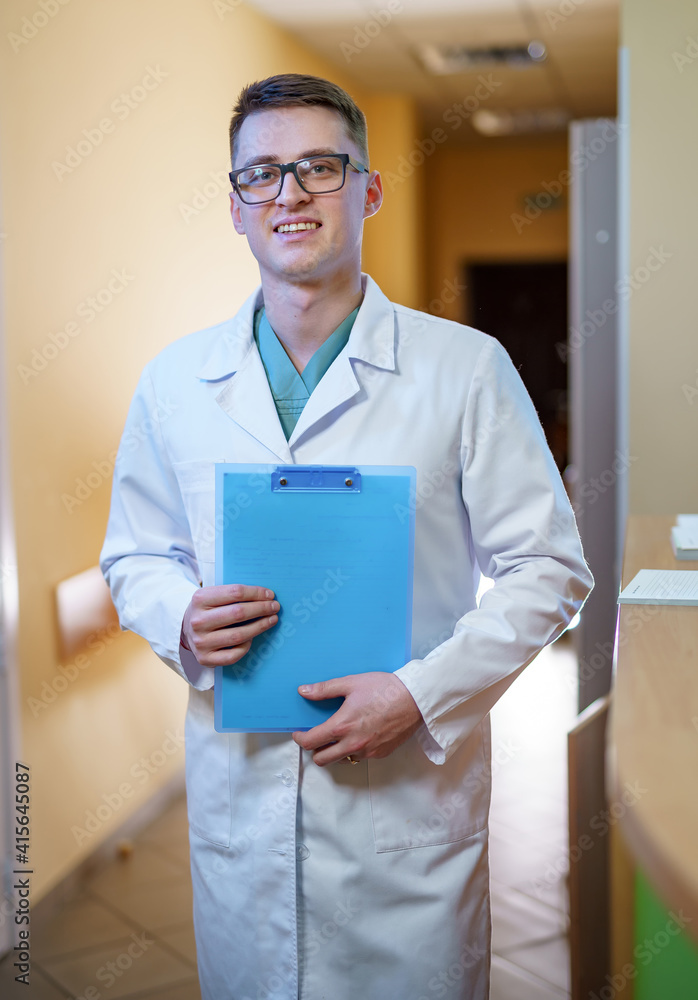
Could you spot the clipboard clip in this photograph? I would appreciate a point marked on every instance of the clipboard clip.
(323, 478)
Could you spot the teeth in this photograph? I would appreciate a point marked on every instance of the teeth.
(295, 226)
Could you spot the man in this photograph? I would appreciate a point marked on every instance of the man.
(314, 878)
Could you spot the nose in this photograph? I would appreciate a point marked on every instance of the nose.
(291, 192)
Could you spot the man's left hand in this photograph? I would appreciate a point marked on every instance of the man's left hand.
(377, 715)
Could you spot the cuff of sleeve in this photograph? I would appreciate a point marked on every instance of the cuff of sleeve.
(202, 678)
(426, 734)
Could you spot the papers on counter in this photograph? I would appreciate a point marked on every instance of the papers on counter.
(662, 586)
(684, 536)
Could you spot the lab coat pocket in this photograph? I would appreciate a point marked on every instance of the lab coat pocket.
(207, 766)
(197, 484)
(416, 803)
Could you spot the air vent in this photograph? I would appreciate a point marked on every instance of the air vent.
(492, 123)
(443, 59)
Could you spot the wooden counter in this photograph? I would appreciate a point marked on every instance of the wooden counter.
(653, 732)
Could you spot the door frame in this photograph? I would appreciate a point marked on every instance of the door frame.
(9, 693)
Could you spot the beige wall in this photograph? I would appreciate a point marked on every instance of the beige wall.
(147, 201)
(663, 210)
(393, 247)
(475, 205)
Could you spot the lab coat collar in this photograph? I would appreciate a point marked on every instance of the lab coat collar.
(234, 343)
(247, 398)
(372, 337)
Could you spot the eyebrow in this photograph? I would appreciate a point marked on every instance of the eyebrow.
(273, 158)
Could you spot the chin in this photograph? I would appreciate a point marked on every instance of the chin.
(304, 269)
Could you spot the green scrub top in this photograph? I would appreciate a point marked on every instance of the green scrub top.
(290, 389)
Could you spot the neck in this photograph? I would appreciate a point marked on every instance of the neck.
(304, 316)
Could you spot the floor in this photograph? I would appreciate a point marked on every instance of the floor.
(150, 893)
(528, 830)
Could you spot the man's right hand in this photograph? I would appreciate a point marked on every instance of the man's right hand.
(215, 626)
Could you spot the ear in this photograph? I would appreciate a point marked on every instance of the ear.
(374, 194)
(236, 215)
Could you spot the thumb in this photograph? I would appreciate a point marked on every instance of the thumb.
(335, 688)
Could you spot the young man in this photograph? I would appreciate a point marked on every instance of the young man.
(314, 878)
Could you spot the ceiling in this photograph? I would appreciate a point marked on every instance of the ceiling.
(377, 43)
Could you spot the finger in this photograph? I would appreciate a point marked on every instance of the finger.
(332, 730)
(224, 657)
(315, 740)
(213, 619)
(335, 755)
(231, 593)
(338, 687)
(226, 638)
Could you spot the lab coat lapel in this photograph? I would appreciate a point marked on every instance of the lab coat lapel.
(245, 394)
(248, 400)
(372, 340)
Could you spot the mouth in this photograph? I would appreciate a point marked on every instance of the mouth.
(297, 227)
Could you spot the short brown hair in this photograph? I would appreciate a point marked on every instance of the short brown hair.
(288, 90)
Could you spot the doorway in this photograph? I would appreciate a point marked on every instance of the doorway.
(524, 305)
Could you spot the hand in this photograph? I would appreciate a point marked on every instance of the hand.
(378, 714)
(212, 627)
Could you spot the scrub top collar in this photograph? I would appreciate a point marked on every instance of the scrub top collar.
(289, 388)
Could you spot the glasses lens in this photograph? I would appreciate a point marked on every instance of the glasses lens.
(259, 183)
(317, 173)
(321, 173)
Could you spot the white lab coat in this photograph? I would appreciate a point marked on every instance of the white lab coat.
(366, 881)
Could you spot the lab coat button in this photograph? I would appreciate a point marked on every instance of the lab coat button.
(287, 777)
(302, 852)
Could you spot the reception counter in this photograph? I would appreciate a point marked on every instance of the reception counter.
(652, 743)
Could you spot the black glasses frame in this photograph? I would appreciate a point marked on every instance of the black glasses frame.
(292, 168)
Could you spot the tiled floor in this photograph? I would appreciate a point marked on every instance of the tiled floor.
(136, 914)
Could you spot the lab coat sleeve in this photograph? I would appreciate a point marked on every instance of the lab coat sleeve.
(148, 556)
(525, 538)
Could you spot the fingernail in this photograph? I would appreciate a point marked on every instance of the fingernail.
(270, 593)
(275, 606)
(304, 689)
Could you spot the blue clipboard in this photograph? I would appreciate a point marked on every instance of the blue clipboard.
(336, 545)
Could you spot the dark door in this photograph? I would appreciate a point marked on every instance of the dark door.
(524, 305)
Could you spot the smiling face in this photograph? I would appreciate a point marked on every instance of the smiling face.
(328, 247)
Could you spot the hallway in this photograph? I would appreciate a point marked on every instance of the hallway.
(136, 913)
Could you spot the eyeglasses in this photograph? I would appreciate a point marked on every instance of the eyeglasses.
(315, 175)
